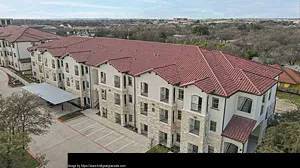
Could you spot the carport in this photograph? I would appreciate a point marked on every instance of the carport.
(51, 93)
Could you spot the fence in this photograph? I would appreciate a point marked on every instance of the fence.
(289, 90)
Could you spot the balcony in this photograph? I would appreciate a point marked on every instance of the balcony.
(144, 112)
(144, 132)
(164, 120)
(195, 131)
(164, 98)
(196, 107)
(144, 94)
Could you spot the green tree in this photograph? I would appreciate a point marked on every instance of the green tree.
(201, 30)
(21, 115)
(283, 137)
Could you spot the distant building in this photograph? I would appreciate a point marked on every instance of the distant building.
(6, 21)
(14, 41)
(289, 78)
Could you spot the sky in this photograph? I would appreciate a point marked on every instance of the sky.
(154, 9)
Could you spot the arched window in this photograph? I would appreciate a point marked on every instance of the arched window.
(244, 104)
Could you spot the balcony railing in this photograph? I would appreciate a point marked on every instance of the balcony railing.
(195, 131)
(163, 142)
(164, 120)
(163, 98)
(145, 133)
(144, 93)
(144, 112)
(196, 107)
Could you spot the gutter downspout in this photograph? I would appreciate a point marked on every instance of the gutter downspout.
(134, 108)
(20, 58)
(90, 83)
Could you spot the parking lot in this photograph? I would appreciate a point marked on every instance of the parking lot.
(86, 134)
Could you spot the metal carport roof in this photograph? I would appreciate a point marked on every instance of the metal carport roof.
(50, 93)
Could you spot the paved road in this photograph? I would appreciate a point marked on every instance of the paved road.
(5, 90)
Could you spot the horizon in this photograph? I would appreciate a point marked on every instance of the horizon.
(149, 9)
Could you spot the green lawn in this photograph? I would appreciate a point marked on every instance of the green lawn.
(71, 115)
(158, 149)
(295, 99)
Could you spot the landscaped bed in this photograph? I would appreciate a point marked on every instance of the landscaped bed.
(158, 149)
(70, 116)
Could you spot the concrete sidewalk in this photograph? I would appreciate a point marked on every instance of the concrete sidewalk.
(91, 113)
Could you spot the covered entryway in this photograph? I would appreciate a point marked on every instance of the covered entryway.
(52, 94)
(236, 134)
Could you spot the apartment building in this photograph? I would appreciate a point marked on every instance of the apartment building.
(200, 100)
(6, 21)
(14, 41)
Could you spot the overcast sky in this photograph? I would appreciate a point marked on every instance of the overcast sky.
(200, 9)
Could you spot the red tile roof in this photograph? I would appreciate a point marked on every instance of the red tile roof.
(25, 34)
(288, 76)
(239, 128)
(212, 71)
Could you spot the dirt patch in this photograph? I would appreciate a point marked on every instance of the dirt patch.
(283, 105)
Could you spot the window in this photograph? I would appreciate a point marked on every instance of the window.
(179, 115)
(144, 89)
(130, 98)
(53, 64)
(13, 45)
(46, 62)
(14, 54)
(77, 85)
(194, 126)
(144, 108)
(16, 65)
(59, 76)
(76, 70)
(117, 99)
(40, 69)
(163, 115)
(83, 85)
(103, 77)
(264, 98)
(196, 103)
(164, 95)
(33, 63)
(180, 94)
(210, 149)
(103, 94)
(82, 70)
(129, 81)
(67, 67)
(192, 148)
(54, 76)
(104, 112)
(39, 58)
(58, 64)
(163, 138)
(86, 70)
(47, 75)
(87, 84)
(62, 63)
(130, 118)
(153, 109)
(68, 81)
(117, 81)
(215, 103)
(262, 110)
(178, 137)
(144, 129)
(213, 126)
(270, 94)
(244, 104)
